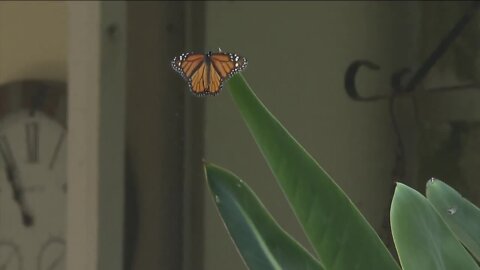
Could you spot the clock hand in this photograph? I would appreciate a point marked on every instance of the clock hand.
(14, 181)
(19, 196)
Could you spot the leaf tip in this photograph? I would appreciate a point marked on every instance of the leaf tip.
(432, 181)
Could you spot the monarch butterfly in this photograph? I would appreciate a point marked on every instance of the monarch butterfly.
(205, 73)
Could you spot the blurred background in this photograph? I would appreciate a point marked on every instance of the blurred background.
(136, 137)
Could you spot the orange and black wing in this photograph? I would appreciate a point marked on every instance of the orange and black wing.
(193, 69)
(199, 81)
(222, 67)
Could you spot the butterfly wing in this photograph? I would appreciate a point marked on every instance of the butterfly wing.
(215, 82)
(194, 70)
(199, 81)
(222, 67)
(187, 63)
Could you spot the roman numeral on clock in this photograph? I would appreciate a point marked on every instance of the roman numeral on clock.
(32, 133)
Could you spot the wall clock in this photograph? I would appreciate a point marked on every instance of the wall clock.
(33, 186)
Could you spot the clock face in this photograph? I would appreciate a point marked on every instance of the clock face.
(32, 192)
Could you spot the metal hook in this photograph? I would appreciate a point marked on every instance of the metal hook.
(422, 71)
(398, 88)
(350, 75)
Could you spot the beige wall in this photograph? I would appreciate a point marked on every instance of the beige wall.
(33, 40)
(298, 53)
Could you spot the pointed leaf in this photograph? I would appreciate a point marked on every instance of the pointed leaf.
(422, 239)
(461, 216)
(339, 233)
(259, 239)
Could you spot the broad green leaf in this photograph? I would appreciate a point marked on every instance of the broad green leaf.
(422, 239)
(341, 236)
(260, 240)
(461, 216)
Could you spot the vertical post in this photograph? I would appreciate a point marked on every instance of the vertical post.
(82, 158)
(111, 138)
(157, 139)
(194, 183)
(96, 115)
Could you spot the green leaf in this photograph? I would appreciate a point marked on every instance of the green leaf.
(260, 240)
(422, 239)
(341, 236)
(461, 216)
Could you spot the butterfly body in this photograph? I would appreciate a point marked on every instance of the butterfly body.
(206, 73)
